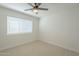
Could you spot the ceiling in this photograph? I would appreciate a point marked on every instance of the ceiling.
(52, 8)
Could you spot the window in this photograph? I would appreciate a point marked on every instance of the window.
(18, 25)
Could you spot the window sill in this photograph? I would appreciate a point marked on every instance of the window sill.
(19, 33)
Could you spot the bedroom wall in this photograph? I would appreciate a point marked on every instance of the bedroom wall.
(61, 27)
(8, 41)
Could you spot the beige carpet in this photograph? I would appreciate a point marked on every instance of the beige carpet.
(37, 48)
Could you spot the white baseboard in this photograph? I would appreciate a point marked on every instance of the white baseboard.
(12, 46)
(54, 43)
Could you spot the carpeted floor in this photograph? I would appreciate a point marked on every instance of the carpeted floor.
(37, 48)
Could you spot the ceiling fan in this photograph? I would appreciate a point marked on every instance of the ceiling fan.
(35, 7)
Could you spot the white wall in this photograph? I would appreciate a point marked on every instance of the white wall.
(8, 41)
(61, 28)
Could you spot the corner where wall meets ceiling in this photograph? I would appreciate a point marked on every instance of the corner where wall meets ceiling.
(53, 8)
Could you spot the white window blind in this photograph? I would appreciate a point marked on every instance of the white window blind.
(18, 25)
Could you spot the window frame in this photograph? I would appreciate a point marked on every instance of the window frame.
(20, 32)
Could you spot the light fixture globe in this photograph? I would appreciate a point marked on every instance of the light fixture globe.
(35, 10)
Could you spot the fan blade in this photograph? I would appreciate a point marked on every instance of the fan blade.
(30, 4)
(35, 4)
(27, 9)
(39, 4)
(43, 8)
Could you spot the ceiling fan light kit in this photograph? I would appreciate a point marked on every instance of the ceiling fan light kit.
(35, 8)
